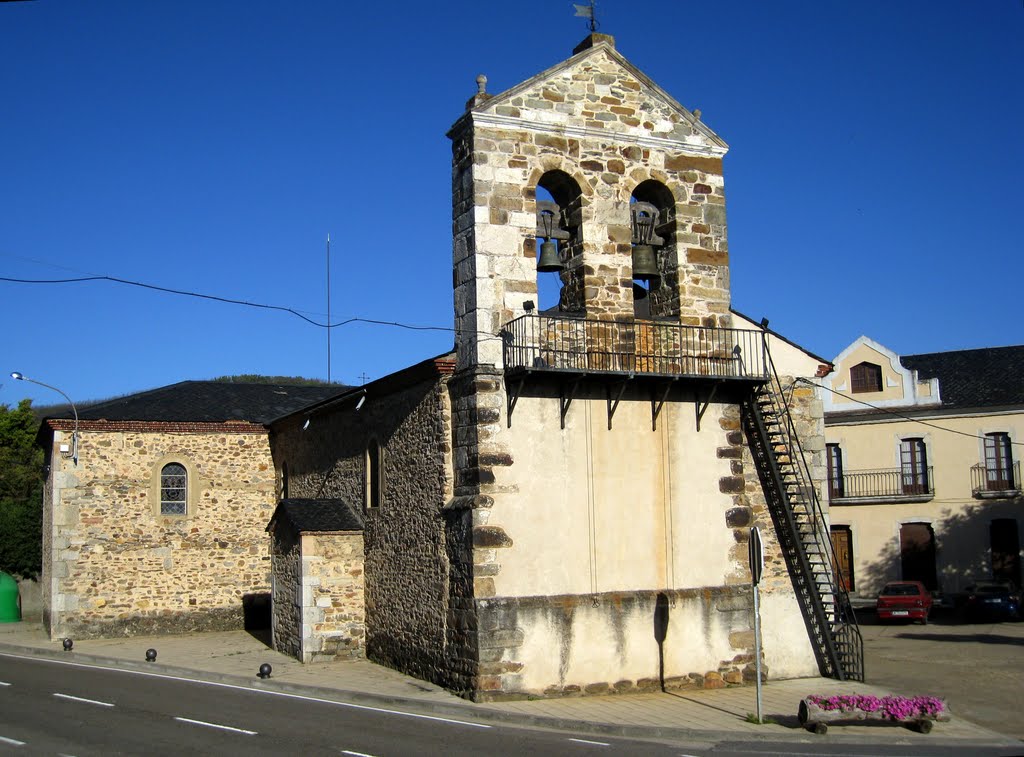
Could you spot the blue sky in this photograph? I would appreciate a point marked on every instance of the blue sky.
(873, 182)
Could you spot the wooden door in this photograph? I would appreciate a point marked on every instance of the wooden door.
(842, 551)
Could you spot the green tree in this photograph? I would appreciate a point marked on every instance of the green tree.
(21, 491)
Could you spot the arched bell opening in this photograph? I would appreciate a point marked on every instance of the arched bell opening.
(559, 273)
(654, 259)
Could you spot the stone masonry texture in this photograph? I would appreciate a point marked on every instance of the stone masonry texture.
(117, 567)
(406, 555)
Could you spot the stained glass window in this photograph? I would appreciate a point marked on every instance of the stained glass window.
(173, 489)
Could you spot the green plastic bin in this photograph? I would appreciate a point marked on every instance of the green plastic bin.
(10, 605)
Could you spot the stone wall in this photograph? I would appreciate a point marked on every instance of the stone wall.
(649, 641)
(333, 596)
(286, 580)
(406, 555)
(318, 611)
(607, 129)
(115, 566)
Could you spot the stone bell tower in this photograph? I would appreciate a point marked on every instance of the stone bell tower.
(627, 167)
(620, 189)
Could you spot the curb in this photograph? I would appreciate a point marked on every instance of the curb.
(471, 711)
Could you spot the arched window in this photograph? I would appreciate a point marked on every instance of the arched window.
(374, 475)
(173, 489)
(865, 377)
(655, 265)
(559, 247)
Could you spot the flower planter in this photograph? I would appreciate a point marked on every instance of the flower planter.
(918, 713)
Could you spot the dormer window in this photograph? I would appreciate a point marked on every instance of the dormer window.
(865, 377)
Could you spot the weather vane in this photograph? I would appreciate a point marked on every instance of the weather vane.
(589, 12)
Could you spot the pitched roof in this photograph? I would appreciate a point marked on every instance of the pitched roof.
(305, 515)
(988, 377)
(701, 138)
(210, 402)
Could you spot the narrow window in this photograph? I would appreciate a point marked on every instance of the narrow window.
(373, 475)
(914, 466)
(998, 462)
(865, 377)
(835, 471)
(173, 489)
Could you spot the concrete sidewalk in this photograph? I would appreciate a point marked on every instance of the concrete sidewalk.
(234, 657)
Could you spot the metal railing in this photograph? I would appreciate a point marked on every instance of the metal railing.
(553, 342)
(804, 534)
(992, 480)
(882, 483)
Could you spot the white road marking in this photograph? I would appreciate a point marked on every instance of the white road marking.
(283, 694)
(82, 699)
(356, 754)
(217, 725)
(595, 743)
(4, 683)
(12, 742)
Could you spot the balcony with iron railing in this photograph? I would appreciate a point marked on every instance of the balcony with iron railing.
(560, 343)
(881, 485)
(995, 482)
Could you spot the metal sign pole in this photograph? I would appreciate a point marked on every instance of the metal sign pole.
(756, 556)
(757, 649)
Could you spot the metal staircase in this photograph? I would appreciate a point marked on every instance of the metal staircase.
(803, 532)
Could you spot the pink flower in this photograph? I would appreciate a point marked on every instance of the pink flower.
(892, 707)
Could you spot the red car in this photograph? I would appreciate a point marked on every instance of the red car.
(904, 600)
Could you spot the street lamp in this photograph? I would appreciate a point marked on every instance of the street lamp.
(74, 436)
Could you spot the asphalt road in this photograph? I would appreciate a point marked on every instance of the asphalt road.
(60, 708)
(978, 668)
(49, 707)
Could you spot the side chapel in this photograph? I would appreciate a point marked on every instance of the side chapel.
(562, 505)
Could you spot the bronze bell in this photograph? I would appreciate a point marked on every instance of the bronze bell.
(549, 259)
(645, 264)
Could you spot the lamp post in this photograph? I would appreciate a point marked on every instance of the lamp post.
(74, 436)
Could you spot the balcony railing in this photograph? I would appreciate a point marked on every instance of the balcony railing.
(560, 343)
(993, 481)
(885, 483)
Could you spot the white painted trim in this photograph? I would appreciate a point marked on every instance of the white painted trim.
(832, 403)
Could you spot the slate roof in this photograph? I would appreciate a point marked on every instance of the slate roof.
(210, 402)
(989, 377)
(305, 515)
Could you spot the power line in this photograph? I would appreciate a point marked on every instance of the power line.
(246, 303)
(899, 415)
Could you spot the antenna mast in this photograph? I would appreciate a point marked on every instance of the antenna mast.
(328, 308)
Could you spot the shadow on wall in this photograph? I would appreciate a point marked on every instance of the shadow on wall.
(660, 633)
(256, 611)
(979, 543)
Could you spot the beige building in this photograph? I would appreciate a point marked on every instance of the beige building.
(923, 465)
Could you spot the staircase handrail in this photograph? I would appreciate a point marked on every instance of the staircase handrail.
(844, 614)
